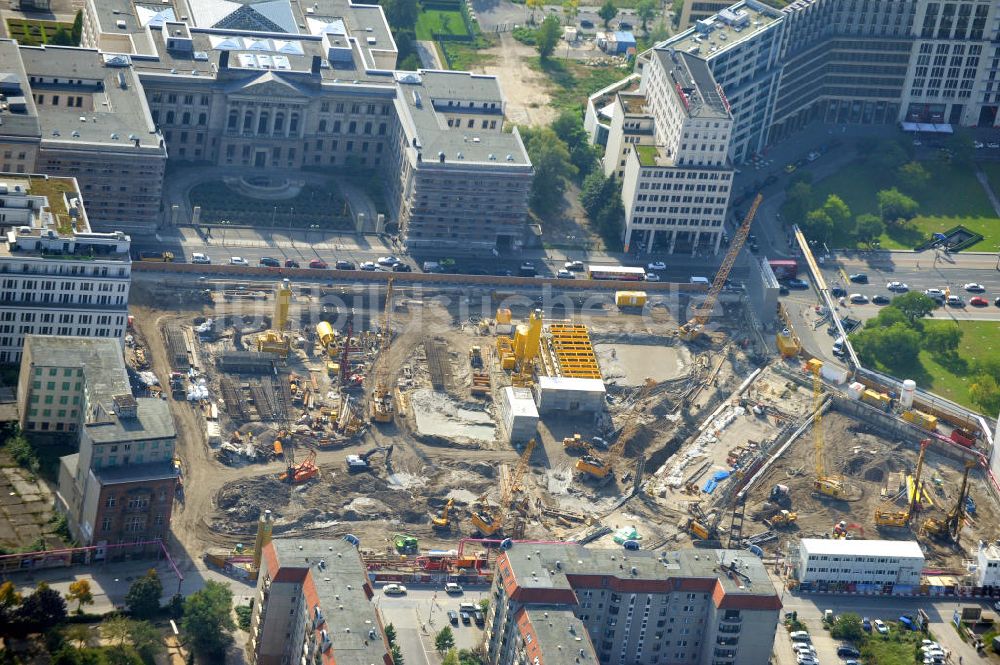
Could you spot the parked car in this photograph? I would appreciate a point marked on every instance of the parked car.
(624, 25)
(198, 257)
(796, 283)
(565, 274)
(388, 261)
(866, 624)
(318, 264)
(847, 651)
(238, 261)
(656, 265)
(453, 588)
(269, 262)
(465, 617)
(574, 265)
(402, 267)
(838, 292)
(997, 302)
(858, 278)
(955, 301)
(799, 636)
(453, 617)
(584, 23)
(368, 266)
(652, 277)
(859, 299)
(880, 627)
(527, 269)
(898, 286)
(881, 299)
(979, 301)
(934, 293)
(479, 618)
(344, 265)
(394, 589)
(973, 287)
(291, 263)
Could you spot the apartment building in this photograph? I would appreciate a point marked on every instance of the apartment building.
(119, 488)
(313, 604)
(569, 603)
(841, 62)
(875, 562)
(81, 113)
(57, 277)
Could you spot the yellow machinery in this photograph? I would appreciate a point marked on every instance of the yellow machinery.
(275, 340)
(328, 338)
(951, 525)
(600, 468)
(381, 399)
(489, 520)
(527, 339)
(694, 328)
(265, 525)
(505, 352)
(789, 344)
(576, 443)
(573, 350)
(783, 518)
(901, 518)
(442, 521)
(831, 486)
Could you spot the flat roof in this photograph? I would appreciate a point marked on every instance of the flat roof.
(562, 637)
(134, 473)
(882, 548)
(724, 29)
(20, 119)
(571, 383)
(521, 401)
(100, 358)
(694, 83)
(152, 421)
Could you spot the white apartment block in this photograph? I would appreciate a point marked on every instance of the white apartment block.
(56, 276)
(886, 562)
(669, 145)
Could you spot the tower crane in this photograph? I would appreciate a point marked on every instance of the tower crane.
(600, 467)
(490, 520)
(831, 486)
(381, 398)
(951, 525)
(901, 518)
(694, 328)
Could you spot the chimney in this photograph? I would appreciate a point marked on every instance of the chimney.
(315, 64)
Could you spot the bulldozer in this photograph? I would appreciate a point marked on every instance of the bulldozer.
(442, 521)
(575, 443)
(784, 518)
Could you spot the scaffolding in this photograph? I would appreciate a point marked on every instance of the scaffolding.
(574, 354)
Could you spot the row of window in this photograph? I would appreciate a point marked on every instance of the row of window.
(49, 317)
(57, 268)
(48, 285)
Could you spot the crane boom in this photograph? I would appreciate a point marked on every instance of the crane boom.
(381, 401)
(704, 311)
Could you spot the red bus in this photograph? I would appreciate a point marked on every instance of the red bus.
(784, 268)
(617, 273)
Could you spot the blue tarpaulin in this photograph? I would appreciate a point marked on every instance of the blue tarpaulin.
(713, 482)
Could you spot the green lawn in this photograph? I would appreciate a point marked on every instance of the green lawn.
(441, 22)
(647, 154)
(950, 378)
(896, 648)
(572, 81)
(35, 32)
(954, 197)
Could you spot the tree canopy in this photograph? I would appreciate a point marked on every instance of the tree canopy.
(143, 597)
(445, 640)
(550, 157)
(607, 12)
(547, 36)
(208, 619)
(645, 10)
(895, 206)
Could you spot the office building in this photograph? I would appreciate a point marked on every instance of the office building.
(693, 11)
(81, 113)
(57, 277)
(876, 562)
(988, 564)
(573, 604)
(119, 488)
(313, 604)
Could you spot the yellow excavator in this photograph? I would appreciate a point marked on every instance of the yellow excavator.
(951, 526)
(491, 520)
(381, 398)
(901, 518)
(599, 467)
(442, 521)
(695, 328)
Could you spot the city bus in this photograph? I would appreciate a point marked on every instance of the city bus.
(617, 273)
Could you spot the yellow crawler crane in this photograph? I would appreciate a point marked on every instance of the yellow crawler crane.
(600, 467)
(491, 520)
(901, 518)
(382, 408)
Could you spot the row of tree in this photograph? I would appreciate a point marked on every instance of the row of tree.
(896, 209)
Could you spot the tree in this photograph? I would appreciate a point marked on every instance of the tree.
(469, 657)
(547, 36)
(818, 226)
(44, 608)
(985, 391)
(797, 201)
(61, 37)
(887, 316)
(895, 206)
(607, 12)
(914, 305)
(143, 597)
(913, 176)
(571, 9)
(116, 629)
(847, 626)
(122, 654)
(401, 14)
(80, 592)
(444, 640)
(534, 5)
(898, 346)
(175, 608)
(77, 32)
(942, 340)
(450, 658)
(839, 213)
(569, 128)
(78, 633)
(868, 227)
(146, 640)
(888, 154)
(390, 633)
(645, 10)
(550, 158)
(208, 619)
(9, 600)
(595, 192)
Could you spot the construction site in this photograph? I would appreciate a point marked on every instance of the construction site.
(413, 419)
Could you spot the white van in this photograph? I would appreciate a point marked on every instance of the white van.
(838, 347)
(700, 280)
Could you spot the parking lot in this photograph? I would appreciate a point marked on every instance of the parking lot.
(421, 613)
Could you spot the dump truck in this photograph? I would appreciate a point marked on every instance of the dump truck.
(156, 256)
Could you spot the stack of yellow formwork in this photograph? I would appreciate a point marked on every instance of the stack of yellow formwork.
(505, 352)
(574, 353)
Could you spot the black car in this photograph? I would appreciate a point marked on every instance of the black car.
(838, 292)
(848, 652)
(479, 618)
(624, 25)
(270, 262)
(402, 267)
(584, 23)
(797, 284)
(465, 617)
(289, 263)
(344, 265)
(453, 617)
(881, 299)
(859, 278)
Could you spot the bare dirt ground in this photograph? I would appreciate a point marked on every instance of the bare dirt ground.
(525, 89)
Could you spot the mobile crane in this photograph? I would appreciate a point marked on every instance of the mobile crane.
(381, 397)
(901, 518)
(695, 328)
(951, 525)
(601, 467)
(491, 520)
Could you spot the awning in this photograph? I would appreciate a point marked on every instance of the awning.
(927, 127)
